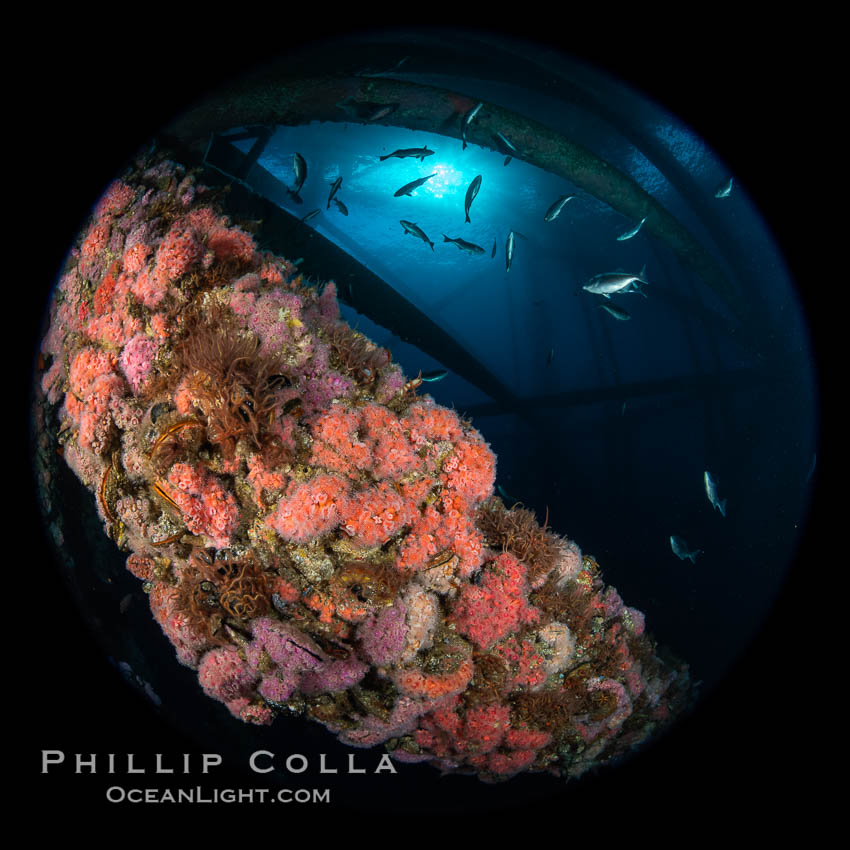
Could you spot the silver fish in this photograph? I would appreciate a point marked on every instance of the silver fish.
(493, 252)
(680, 549)
(299, 164)
(382, 110)
(617, 312)
(633, 232)
(341, 206)
(509, 251)
(505, 495)
(812, 467)
(310, 215)
(505, 147)
(711, 492)
(370, 72)
(402, 153)
(415, 184)
(555, 210)
(469, 247)
(437, 375)
(471, 192)
(466, 121)
(415, 230)
(366, 110)
(724, 190)
(334, 189)
(605, 284)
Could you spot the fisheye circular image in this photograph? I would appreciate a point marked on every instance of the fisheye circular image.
(421, 419)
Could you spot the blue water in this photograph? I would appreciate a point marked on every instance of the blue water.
(688, 391)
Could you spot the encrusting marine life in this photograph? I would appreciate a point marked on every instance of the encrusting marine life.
(311, 534)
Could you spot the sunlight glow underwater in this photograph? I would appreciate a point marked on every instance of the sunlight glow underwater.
(529, 325)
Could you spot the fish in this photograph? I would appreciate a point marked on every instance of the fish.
(617, 312)
(493, 252)
(610, 282)
(471, 193)
(299, 164)
(633, 232)
(341, 206)
(415, 184)
(415, 230)
(633, 289)
(334, 189)
(680, 549)
(370, 72)
(711, 492)
(555, 210)
(505, 147)
(402, 153)
(550, 357)
(365, 110)
(436, 375)
(382, 110)
(509, 251)
(467, 120)
(469, 247)
(812, 467)
(505, 495)
(725, 189)
(310, 215)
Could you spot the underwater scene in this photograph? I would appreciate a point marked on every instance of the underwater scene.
(430, 418)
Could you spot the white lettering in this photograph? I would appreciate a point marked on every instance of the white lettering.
(252, 762)
(130, 768)
(211, 760)
(51, 757)
(386, 763)
(323, 768)
(90, 762)
(290, 760)
(160, 768)
(351, 767)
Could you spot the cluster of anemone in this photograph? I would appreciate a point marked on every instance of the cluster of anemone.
(311, 534)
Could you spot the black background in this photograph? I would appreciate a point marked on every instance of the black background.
(89, 94)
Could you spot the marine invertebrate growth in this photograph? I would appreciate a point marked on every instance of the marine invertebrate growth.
(311, 533)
